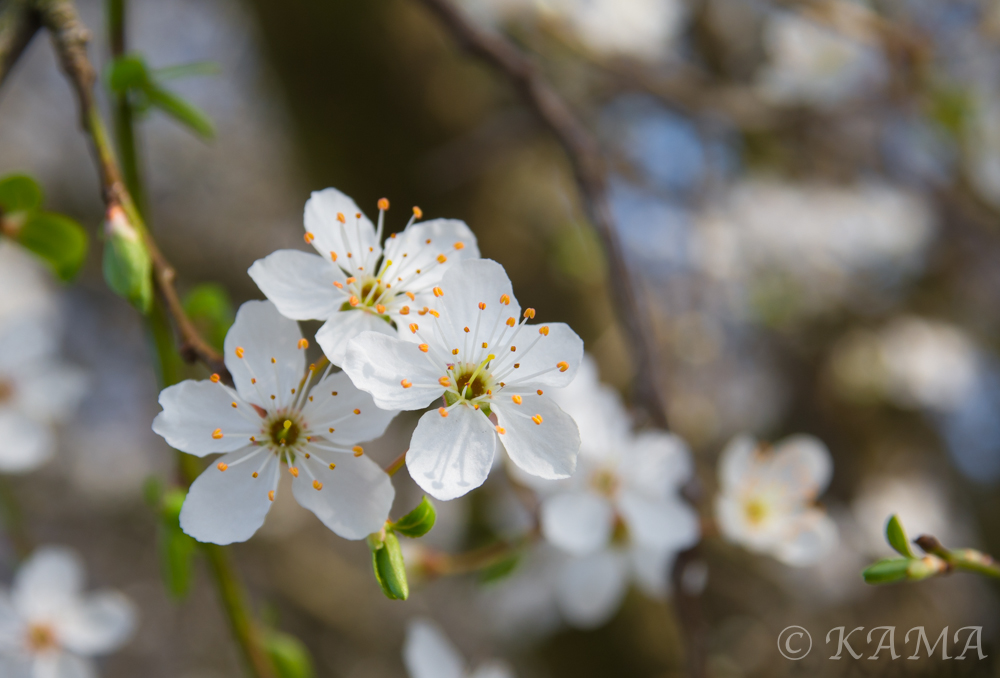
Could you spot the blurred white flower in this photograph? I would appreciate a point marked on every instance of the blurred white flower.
(427, 653)
(474, 354)
(354, 284)
(26, 285)
(621, 514)
(766, 498)
(814, 64)
(829, 241)
(275, 416)
(920, 504)
(927, 363)
(644, 29)
(37, 392)
(50, 629)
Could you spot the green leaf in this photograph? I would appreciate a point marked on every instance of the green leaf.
(128, 72)
(196, 68)
(896, 536)
(887, 571)
(60, 241)
(211, 310)
(180, 110)
(289, 654)
(417, 522)
(19, 193)
(390, 570)
(128, 268)
(500, 569)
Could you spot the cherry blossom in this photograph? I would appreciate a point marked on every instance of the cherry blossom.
(279, 414)
(357, 283)
(427, 653)
(492, 373)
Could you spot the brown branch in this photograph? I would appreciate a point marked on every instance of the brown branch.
(70, 38)
(588, 168)
(18, 25)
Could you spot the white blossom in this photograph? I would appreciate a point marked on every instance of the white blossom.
(644, 29)
(37, 392)
(50, 629)
(26, 285)
(815, 64)
(357, 283)
(276, 415)
(621, 515)
(767, 498)
(427, 653)
(471, 351)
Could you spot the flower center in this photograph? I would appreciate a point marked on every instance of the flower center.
(605, 482)
(368, 294)
(41, 637)
(284, 432)
(756, 511)
(472, 384)
(6, 391)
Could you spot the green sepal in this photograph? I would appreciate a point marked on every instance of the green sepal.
(896, 536)
(387, 561)
(289, 655)
(417, 522)
(887, 571)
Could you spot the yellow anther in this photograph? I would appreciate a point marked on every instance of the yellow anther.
(333, 255)
(417, 212)
(358, 450)
(357, 215)
(434, 313)
(460, 246)
(379, 308)
(490, 357)
(504, 299)
(270, 495)
(443, 412)
(424, 348)
(539, 391)
(562, 365)
(516, 399)
(253, 439)
(412, 296)
(222, 466)
(501, 430)
(333, 393)
(235, 405)
(466, 330)
(454, 351)
(339, 285)
(239, 351)
(318, 485)
(422, 311)
(294, 471)
(414, 327)
(513, 348)
(215, 378)
(517, 365)
(438, 292)
(333, 466)
(341, 218)
(406, 383)
(253, 380)
(445, 381)
(475, 406)
(254, 474)
(272, 397)
(529, 313)
(427, 242)
(482, 306)
(273, 361)
(309, 237)
(217, 433)
(544, 330)
(357, 411)
(537, 419)
(332, 429)
(303, 343)
(485, 345)
(404, 311)
(511, 321)
(351, 280)
(441, 258)
(354, 301)
(287, 424)
(383, 203)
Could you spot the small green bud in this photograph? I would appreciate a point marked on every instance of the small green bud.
(896, 536)
(387, 561)
(417, 522)
(887, 571)
(128, 268)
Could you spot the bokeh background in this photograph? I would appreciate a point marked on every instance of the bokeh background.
(808, 195)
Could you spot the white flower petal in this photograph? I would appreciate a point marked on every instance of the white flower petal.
(592, 588)
(194, 410)
(443, 235)
(452, 455)
(12, 627)
(355, 497)
(816, 537)
(354, 236)
(99, 624)
(378, 364)
(48, 583)
(17, 666)
(63, 665)
(802, 463)
(736, 461)
(427, 653)
(335, 336)
(325, 411)
(493, 669)
(24, 444)
(598, 411)
(264, 334)
(578, 522)
(300, 284)
(539, 362)
(656, 463)
(228, 506)
(547, 450)
(659, 523)
(651, 570)
(465, 285)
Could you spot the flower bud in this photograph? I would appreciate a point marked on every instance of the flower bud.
(127, 264)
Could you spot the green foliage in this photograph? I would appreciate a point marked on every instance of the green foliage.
(56, 239)
(896, 537)
(211, 310)
(130, 75)
(500, 569)
(387, 561)
(886, 571)
(290, 656)
(417, 522)
(128, 268)
(176, 549)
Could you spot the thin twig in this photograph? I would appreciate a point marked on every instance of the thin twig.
(18, 25)
(396, 464)
(70, 38)
(588, 168)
